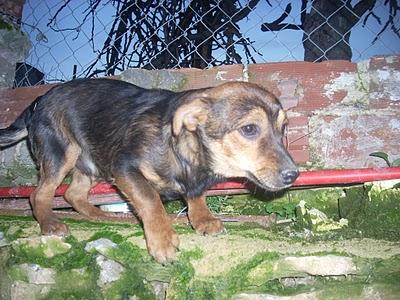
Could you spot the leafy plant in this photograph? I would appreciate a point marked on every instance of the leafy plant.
(385, 157)
(285, 211)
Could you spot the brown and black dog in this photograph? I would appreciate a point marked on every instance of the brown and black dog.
(153, 145)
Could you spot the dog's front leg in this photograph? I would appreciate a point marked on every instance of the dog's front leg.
(201, 218)
(161, 239)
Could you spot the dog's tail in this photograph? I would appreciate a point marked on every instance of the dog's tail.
(19, 129)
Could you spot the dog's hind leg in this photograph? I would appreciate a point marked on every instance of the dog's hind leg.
(53, 170)
(77, 195)
(201, 218)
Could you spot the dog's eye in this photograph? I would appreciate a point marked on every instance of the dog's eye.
(250, 131)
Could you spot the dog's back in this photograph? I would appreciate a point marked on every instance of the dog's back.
(96, 115)
(152, 143)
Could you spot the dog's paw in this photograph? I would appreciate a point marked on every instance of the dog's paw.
(54, 228)
(210, 225)
(94, 213)
(162, 245)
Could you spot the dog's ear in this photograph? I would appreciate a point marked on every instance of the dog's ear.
(189, 115)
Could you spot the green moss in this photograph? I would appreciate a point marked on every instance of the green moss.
(5, 25)
(182, 273)
(129, 285)
(200, 289)
(185, 286)
(373, 211)
(263, 274)
(75, 258)
(256, 231)
(19, 173)
(15, 273)
(75, 284)
(239, 280)
(13, 227)
(127, 254)
(13, 232)
(140, 270)
(18, 219)
(108, 234)
(99, 226)
(382, 271)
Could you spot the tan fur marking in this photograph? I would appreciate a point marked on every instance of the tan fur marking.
(189, 115)
(201, 218)
(150, 174)
(281, 120)
(237, 156)
(234, 154)
(77, 195)
(161, 239)
(42, 198)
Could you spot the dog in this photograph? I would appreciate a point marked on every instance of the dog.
(152, 145)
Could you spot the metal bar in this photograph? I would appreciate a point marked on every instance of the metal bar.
(306, 178)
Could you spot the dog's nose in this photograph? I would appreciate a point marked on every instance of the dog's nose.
(289, 175)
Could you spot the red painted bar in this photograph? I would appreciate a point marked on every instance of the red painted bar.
(306, 178)
(347, 176)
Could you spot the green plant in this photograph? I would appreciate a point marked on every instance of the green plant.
(285, 211)
(385, 157)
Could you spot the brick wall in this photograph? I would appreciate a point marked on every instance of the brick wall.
(339, 111)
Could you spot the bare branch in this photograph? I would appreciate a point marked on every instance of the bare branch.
(394, 26)
(303, 13)
(277, 25)
(53, 19)
(371, 13)
(244, 12)
(362, 7)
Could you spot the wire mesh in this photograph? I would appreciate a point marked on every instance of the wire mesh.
(94, 38)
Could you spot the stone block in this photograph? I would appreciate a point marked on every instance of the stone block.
(37, 274)
(160, 79)
(197, 78)
(346, 138)
(14, 47)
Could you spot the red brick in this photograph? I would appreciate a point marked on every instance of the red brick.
(311, 78)
(298, 121)
(300, 156)
(297, 138)
(14, 101)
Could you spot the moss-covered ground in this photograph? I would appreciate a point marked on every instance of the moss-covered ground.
(244, 259)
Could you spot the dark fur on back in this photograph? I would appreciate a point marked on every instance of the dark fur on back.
(117, 125)
(151, 143)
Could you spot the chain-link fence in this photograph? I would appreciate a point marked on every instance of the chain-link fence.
(103, 37)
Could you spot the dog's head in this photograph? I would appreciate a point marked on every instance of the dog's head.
(242, 125)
